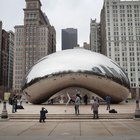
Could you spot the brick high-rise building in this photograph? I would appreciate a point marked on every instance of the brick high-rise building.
(33, 40)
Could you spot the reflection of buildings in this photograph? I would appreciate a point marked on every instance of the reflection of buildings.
(86, 46)
(76, 68)
(61, 97)
(33, 40)
(69, 38)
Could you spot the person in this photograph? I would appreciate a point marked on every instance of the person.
(14, 104)
(95, 107)
(85, 99)
(108, 100)
(77, 104)
(43, 112)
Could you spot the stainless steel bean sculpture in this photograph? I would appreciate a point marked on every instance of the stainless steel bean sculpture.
(75, 67)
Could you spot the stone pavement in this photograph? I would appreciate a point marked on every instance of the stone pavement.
(69, 109)
(87, 129)
(71, 130)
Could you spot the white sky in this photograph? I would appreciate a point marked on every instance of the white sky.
(61, 13)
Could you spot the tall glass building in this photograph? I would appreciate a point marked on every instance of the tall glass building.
(69, 38)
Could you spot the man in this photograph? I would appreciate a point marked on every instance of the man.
(108, 100)
(85, 99)
(77, 104)
(43, 112)
(94, 107)
(14, 104)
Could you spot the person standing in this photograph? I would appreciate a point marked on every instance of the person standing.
(14, 104)
(108, 101)
(77, 104)
(95, 107)
(85, 99)
(43, 112)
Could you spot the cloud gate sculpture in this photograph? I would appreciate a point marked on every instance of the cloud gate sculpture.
(75, 67)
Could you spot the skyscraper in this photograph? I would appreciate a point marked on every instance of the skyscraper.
(6, 60)
(0, 52)
(33, 40)
(69, 38)
(95, 36)
(11, 37)
(120, 32)
(0, 59)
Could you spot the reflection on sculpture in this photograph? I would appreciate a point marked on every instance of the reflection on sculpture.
(75, 67)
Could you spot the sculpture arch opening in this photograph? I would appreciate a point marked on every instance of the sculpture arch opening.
(56, 72)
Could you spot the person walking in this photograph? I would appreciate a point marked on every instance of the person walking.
(108, 101)
(43, 112)
(77, 104)
(95, 107)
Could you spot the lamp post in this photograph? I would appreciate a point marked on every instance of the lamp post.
(4, 114)
(137, 110)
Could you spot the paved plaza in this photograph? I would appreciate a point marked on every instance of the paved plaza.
(70, 129)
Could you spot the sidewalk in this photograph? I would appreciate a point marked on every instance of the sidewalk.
(100, 129)
(71, 130)
(69, 109)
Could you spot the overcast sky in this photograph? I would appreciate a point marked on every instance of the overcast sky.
(61, 13)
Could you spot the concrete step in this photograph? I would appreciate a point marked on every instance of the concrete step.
(73, 116)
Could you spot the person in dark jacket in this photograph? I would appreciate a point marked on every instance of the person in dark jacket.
(86, 99)
(43, 112)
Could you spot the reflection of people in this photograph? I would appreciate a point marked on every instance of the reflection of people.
(77, 103)
(85, 99)
(108, 100)
(94, 107)
(43, 112)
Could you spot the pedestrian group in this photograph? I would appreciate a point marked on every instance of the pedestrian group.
(77, 102)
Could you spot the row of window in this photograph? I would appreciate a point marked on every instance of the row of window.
(122, 7)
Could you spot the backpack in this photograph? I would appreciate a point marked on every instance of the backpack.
(112, 111)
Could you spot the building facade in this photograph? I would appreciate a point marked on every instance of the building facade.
(4, 63)
(33, 40)
(95, 36)
(69, 38)
(11, 37)
(0, 59)
(6, 60)
(120, 33)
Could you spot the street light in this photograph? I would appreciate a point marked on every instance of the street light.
(4, 114)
